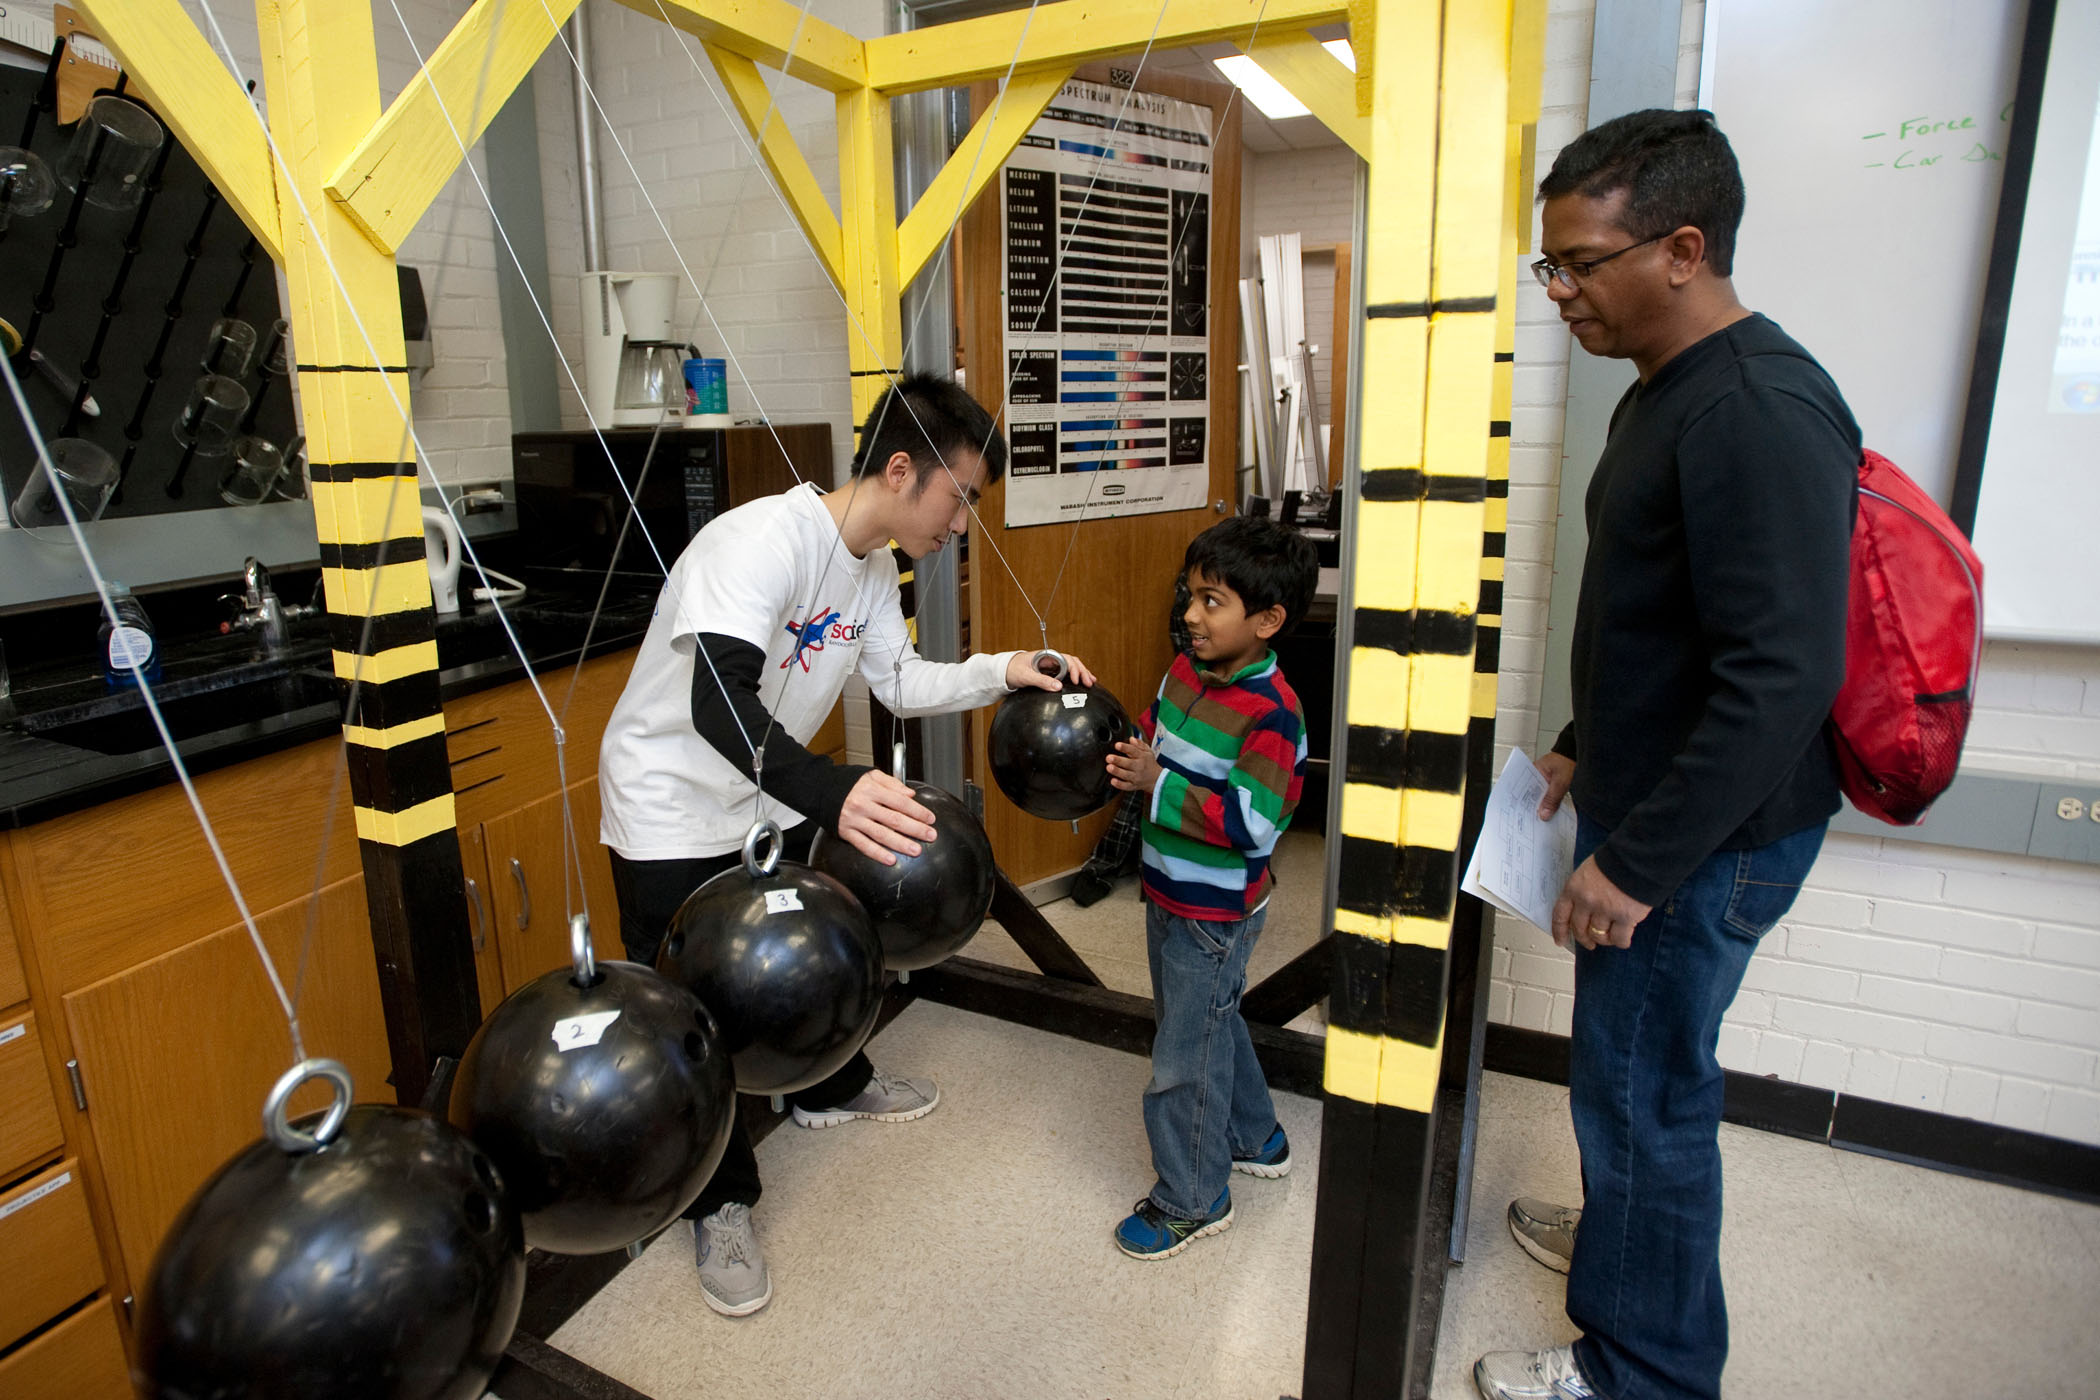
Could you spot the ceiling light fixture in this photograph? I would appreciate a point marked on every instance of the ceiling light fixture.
(1270, 97)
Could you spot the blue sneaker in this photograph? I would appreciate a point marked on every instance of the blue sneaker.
(1272, 1161)
(1152, 1232)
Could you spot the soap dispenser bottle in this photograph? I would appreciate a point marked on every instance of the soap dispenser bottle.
(128, 646)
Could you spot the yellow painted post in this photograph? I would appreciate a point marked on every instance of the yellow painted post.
(323, 85)
(1434, 259)
(868, 248)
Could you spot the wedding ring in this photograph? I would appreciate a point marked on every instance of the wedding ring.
(1600, 929)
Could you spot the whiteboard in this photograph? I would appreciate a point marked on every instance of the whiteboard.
(1871, 135)
(2040, 497)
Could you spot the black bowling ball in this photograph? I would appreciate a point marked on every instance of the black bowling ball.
(789, 965)
(1049, 749)
(605, 1107)
(388, 1265)
(925, 907)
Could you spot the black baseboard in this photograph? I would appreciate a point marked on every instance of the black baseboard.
(2031, 1161)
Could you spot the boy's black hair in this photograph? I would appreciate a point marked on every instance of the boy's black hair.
(932, 420)
(1676, 168)
(1262, 560)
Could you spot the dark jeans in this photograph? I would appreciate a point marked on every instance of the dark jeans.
(650, 892)
(1644, 1090)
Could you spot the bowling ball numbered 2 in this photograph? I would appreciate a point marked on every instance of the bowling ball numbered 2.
(606, 1107)
(388, 1265)
(1049, 749)
(789, 965)
(927, 906)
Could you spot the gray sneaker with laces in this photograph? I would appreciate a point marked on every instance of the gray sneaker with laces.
(1531, 1375)
(889, 1098)
(1546, 1231)
(733, 1277)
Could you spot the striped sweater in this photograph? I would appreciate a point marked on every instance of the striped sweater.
(1232, 761)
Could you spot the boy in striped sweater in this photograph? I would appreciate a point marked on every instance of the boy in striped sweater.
(1223, 759)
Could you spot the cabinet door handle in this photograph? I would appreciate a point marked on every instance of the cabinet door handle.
(517, 872)
(480, 918)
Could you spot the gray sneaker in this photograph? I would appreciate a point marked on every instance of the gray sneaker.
(889, 1098)
(733, 1277)
(1546, 1231)
(1531, 1375)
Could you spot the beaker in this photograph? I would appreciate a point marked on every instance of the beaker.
(257, 465)
(112, 153)
(85, 473)
(229, 347)
(26, 186)
(209, 420)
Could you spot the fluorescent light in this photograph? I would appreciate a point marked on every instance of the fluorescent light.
(1268, 95)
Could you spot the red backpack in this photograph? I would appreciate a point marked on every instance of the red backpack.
(1913, 641)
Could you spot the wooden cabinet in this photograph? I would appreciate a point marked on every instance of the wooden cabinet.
(14, 986)
(177, 1054)
(534, 885)
(81, 1358)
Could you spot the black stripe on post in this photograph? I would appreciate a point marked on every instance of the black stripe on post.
(348, 632)
(396, 549)
(404, 776)
(338, 472)
(1425, 631)
(1379, 757)
(1367, 1240)
(382, 706)
(1412, 484)
(1379, 880)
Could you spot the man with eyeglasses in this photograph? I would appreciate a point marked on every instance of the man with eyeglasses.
(1709, 643)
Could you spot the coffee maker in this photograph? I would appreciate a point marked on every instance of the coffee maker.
(633, 371)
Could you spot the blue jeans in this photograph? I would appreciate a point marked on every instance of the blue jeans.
(1644, 1090)
(1207, 1101)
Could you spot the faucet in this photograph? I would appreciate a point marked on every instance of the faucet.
(260, 608)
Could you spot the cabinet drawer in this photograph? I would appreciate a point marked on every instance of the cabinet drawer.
(80, 1359)
(29, 1125)
(47, 1250)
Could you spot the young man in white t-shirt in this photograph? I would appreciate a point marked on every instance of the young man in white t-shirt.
(761, 620)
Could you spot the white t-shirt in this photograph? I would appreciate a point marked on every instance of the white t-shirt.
(774, 573)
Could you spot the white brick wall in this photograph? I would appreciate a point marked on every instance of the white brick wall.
(1948, 980)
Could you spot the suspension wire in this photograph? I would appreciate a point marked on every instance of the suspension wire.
(160, 723)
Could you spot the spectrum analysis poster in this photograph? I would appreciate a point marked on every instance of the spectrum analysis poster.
(1107, 257)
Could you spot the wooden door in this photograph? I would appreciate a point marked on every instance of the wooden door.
(481, 917)
(1113, 580)
(528, 896)
(177, 1054)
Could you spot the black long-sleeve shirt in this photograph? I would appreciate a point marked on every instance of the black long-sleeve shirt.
(1709, 637)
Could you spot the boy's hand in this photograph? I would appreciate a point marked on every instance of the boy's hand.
(1133, 767)
(881, 816)
(1022, 670)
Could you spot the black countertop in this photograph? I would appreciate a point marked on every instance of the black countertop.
(72, 742)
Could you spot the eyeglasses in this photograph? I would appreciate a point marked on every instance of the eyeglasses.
(1572, 274)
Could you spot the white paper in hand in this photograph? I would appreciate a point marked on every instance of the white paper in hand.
(1520, 863)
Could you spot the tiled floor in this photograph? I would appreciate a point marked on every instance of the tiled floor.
(968, 1255)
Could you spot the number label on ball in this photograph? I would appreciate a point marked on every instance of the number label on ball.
(576, 1032)
(781, 901)
(1074, 702)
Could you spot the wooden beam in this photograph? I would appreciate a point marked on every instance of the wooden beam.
(1317, 78)
(1070, 33)
(776, 145)
(868, 249)
(188, 84)
(392, 174)
(975, 163)
(763, 31)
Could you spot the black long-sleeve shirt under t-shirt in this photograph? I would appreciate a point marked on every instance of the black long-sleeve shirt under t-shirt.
(1709, 637)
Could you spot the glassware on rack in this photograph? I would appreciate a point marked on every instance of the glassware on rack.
(112, 153)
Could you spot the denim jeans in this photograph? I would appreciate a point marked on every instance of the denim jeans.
(1207, 1101)
(1644, 1090)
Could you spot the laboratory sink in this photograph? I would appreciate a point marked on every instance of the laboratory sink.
(130, 729)
(474, 639)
